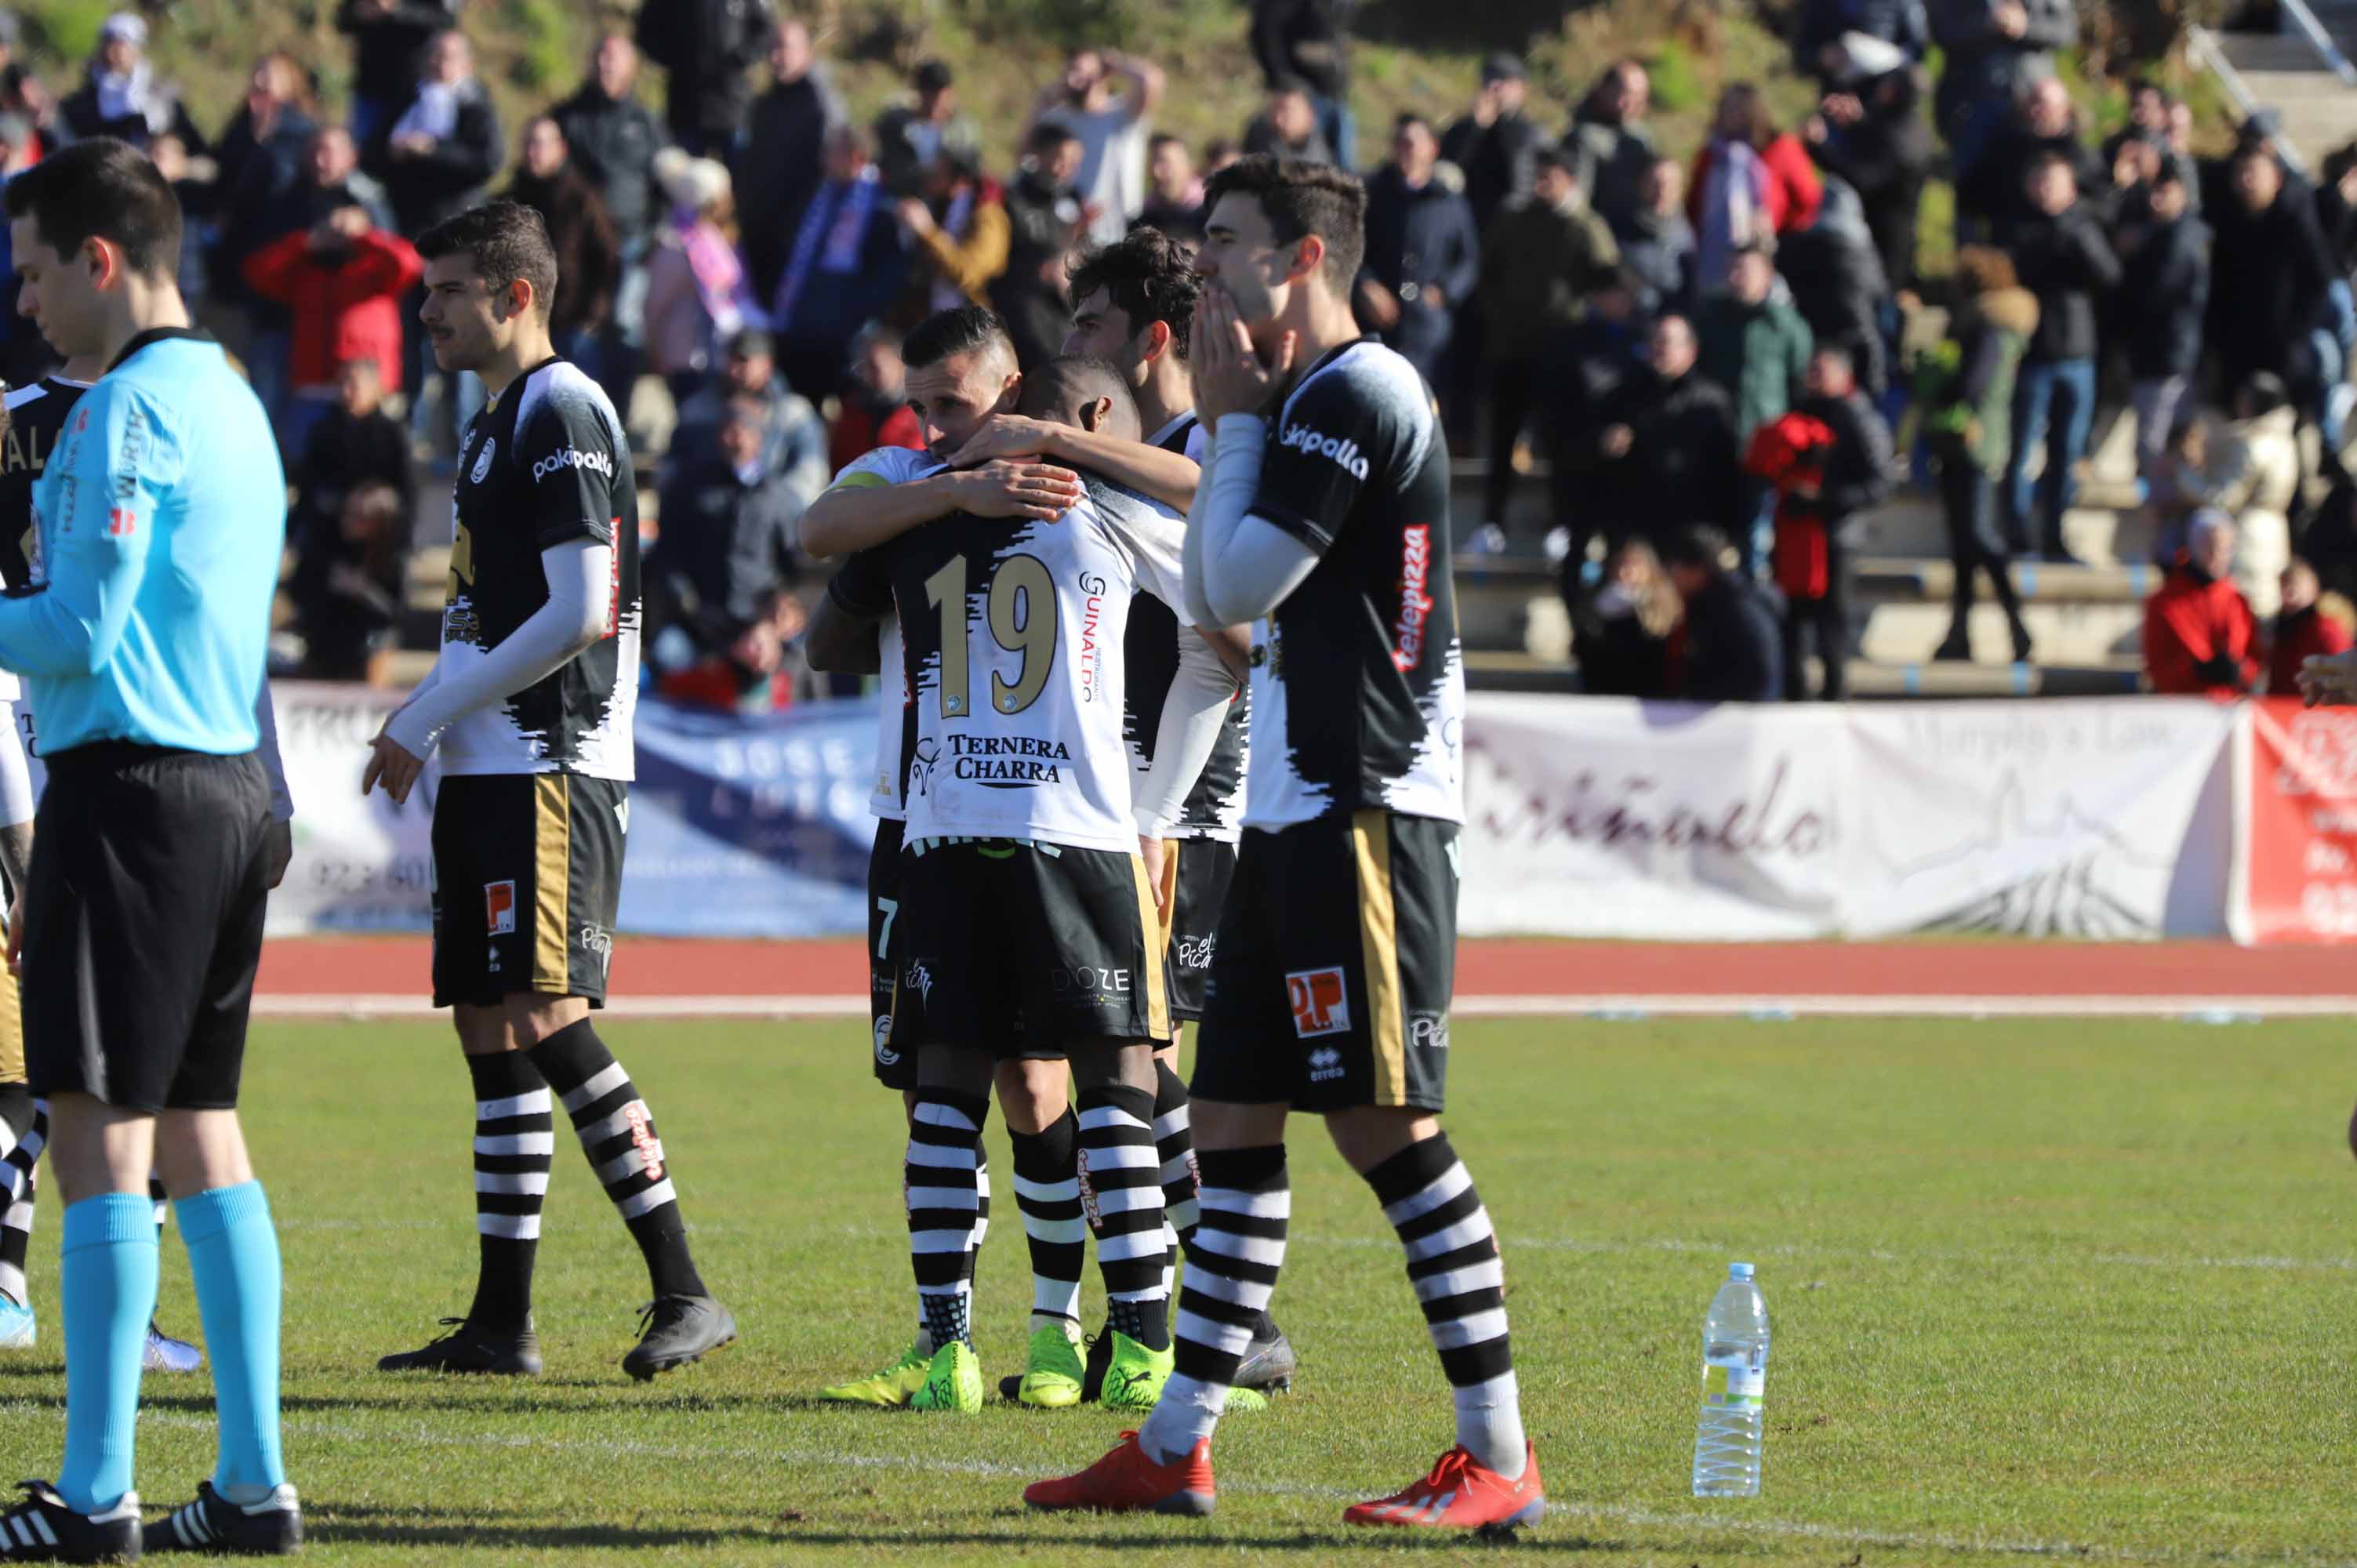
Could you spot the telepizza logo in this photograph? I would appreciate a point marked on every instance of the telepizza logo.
(643, 1139)
(1415, 605)
(500, 908)
(573, 458)
(1318, 443)
(1320, 1005)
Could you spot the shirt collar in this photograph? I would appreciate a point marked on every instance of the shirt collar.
(152, 336)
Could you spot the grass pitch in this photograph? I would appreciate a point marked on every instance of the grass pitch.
(2071, 1289)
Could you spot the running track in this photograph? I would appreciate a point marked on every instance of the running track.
(380, 976)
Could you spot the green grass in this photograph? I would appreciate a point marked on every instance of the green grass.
(2073, 1286)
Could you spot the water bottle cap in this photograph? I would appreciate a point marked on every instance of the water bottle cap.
(1739, 1270)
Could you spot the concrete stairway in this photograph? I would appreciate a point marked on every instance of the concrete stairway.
(2284, 71)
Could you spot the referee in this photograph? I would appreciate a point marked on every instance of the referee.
(159, 520)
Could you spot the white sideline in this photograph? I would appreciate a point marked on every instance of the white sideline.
(2205, 1008)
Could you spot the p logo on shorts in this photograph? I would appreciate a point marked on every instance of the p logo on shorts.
(500, 908)
(1320, 1004)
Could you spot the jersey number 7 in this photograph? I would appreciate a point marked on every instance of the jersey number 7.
(1022, 586)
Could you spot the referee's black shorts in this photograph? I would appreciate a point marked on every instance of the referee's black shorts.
(143, 925)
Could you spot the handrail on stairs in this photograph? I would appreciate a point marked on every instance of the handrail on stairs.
(2319, 40)
(2204, 45)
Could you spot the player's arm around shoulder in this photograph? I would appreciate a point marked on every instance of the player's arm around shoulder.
(111, 474)
(881, 497)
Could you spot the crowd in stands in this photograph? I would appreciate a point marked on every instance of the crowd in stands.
(1723, 363)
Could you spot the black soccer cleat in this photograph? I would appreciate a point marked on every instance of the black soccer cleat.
(41, 1528)
(469, 1347)
(1092, 1375)
(213, 1524)
(676, 1330)
(1269, 1362)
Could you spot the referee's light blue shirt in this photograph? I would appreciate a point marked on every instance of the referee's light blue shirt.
(159, 520)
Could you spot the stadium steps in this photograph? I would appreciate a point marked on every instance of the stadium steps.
(2286, 72)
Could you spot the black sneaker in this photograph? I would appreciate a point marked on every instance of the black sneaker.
(1093, 1374)
(271, 1527)
(41, 1528)
(1268, 1364)
(472, 1348)
(674, 1330)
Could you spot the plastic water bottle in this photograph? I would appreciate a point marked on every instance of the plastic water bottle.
(1734, 1377)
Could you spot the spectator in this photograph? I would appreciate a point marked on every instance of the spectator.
(2262, 131)
(1304, 38)
(1869, 132)
(1750, 182)
(342, 283)
(875, 408)
(22, 92)
(612, 139)
(1732, 652)
(793, 437)
(1218, 153)
(2272, 286)
(958, 233)
(24, 357)
(349, 586)
(781, 162)
(1046, 216)
(2061, 256)
(1287, 125)
(706, 46)
(2307, 627)
(1824, 44)
(727, 546)
(123, 97)
(2265, 434)
(1622, 632)
(1754, 347)
(1591, 368)
(1838, 286)
(1423, 257)
(1965, 391)
(260, 157)
(387, 37)
(588, 252)
(1615, 150)
(2336, 209)
(847, 264)
(1993, 200)
(697, 292)
(2163, 294)
(355, 443)
(758, 673)
(1495, 141)
(2200, 635)
(2197, 469)
(1111, 131)
(442, 148)
(911, 137)
(1540, 259)
(1855, 476)
(1662, 449)
(1658, 243)
(1992, 48)
(1173, 199)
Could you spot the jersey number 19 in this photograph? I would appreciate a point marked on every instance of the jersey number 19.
(1021, 613)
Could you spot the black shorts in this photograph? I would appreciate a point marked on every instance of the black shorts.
(1028, 949)
(143, 925)
(895, 1061)
(1337, 954)
(1199, 886)
(527, 880)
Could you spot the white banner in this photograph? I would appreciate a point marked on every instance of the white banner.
(359, 864)
(1600, 818)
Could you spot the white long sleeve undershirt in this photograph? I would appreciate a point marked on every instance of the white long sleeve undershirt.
(1239, 567)
(1191, 717)
(580, 601)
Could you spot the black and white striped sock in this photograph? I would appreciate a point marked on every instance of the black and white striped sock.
(1231, 1271)
(1120, 1194)
(515, 1146)
(23, 1131)
(618, 1133)
(1452, 1260)
(1174, 1145)
(941, 1189)
(1047, 1191)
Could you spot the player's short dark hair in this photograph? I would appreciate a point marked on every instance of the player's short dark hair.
(1150, 277)
(946, 333)
(1083, 375)
(1299, 198)
(102, 189)
(1696, 544)
(504, 241)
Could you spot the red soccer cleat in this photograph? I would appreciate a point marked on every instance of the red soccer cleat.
(1461, 1494)
(1127, 1481)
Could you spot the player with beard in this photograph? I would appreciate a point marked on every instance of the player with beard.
(1324, 519)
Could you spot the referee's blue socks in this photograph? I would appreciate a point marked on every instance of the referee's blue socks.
(233, 1254)
(106, 1294)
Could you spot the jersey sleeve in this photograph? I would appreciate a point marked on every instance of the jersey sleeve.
(863, 588)
(1156, 543)
(885, 466)
(1331, 439)
(573, 470)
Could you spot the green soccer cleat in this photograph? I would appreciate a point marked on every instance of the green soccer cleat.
(892, 1387)
(952, 1381)
(1246, 1401)
(1051, 1372)
(1135, 1376)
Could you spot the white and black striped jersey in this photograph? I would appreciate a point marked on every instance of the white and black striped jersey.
(544, 465)
(1214, 806)
(1358, 685)
(37, 418)
(885, 466)
(1012, 635)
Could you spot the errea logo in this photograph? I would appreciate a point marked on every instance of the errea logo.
(1325, 1065)
(573, 458)
(1318, 443)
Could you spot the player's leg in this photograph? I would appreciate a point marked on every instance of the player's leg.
(1034, 1094)
(24, 1129)
(163, 1353)
(941, 1183)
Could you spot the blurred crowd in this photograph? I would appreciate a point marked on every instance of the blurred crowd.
(1720, 364)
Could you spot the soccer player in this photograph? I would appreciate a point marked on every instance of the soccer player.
(530, 702)
(1330, 985)
(159, 521)
(1021, 804)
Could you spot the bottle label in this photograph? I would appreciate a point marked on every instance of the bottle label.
(1734, 1388)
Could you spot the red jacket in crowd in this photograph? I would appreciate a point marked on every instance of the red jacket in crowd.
(346, 301)
(1796, 191)
(2200, 638)
(2298, 635)
(862, 427)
